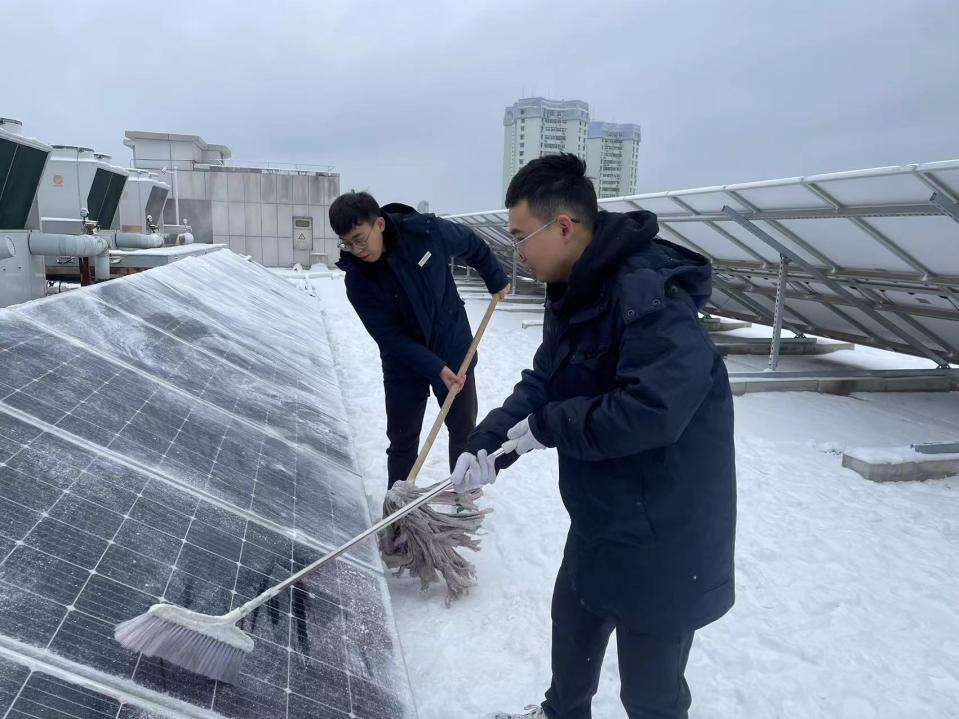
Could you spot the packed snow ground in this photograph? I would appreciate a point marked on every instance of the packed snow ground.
(848, 591)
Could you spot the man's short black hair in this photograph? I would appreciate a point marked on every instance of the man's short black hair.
(553, 184)
(351, 209)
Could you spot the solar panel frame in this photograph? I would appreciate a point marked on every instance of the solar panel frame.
(861, 247)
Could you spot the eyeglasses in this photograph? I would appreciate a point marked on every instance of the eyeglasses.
(356, 245)
(517, 243)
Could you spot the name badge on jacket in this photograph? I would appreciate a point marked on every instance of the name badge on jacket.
(425, 258)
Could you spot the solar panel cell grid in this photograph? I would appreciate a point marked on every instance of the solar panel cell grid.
(137, 468)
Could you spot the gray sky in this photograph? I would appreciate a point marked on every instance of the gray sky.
(406, 99)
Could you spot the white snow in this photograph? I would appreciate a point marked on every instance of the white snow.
(847, 589)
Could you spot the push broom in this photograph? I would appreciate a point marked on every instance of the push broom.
(426, 544)
(213, 645)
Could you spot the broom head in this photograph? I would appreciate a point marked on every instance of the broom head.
(203, 644)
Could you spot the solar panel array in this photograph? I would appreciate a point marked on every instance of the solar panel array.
(180, 436)
(870, 256)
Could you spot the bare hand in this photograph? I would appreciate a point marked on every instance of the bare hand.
(502, 294)
(452, 380)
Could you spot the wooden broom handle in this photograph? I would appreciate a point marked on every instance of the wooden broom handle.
(451, 395)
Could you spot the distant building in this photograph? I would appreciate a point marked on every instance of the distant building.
(277, 216)
(534, 127)
(612, 157)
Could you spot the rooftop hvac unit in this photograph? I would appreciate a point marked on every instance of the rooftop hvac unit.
(76, 179)
(22, 243)
(141, 205)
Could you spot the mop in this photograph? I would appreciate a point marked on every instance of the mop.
(425, 544)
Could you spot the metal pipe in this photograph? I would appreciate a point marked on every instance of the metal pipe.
(778, 317)
(176, 195)
(101, 267)
(138, 240)
(52, 245)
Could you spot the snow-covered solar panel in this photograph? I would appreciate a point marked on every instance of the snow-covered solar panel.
(872, 256)
(180, 435)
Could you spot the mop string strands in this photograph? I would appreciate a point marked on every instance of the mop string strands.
(425, 544)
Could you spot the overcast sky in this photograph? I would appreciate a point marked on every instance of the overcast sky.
(406, 99)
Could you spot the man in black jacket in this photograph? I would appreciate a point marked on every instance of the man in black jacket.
(398, 279)
(632, 393)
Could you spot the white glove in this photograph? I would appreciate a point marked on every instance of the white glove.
(525, 441)
(473, 471)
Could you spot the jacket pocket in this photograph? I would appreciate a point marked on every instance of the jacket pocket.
(630, 528)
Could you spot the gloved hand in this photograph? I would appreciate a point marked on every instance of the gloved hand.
(472, 471)
(525, 441)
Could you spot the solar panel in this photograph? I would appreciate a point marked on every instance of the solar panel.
(179, 436)
(870, 255)
(51, 697)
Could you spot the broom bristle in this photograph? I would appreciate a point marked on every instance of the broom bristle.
(194, 641)
(424, 542)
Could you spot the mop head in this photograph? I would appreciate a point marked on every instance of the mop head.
(211, 646)
(424, 542)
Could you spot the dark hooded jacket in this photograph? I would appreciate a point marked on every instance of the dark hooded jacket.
(411, 306)
(632, 393)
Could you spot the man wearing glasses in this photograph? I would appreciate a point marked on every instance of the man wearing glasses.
(398, 279)
(632, 393)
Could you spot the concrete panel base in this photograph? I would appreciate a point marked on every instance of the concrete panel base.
(844, 383)
(717, 324)
(900, 464)
(789, 346)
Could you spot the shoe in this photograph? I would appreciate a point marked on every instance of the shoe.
(533, 711)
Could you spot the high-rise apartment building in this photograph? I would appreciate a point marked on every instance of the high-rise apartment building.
(535, 126)
(612, 156)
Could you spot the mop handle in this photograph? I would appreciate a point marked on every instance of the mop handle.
(451, 395)
(266, 596)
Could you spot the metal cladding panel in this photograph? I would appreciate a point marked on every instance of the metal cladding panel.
(268, 188)
(235, 186)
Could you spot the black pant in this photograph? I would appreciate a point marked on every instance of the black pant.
(405, 408)
(651, 669)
